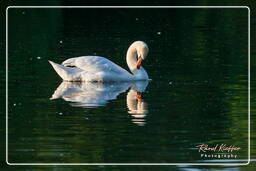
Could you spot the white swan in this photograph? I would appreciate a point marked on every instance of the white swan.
(99, 69)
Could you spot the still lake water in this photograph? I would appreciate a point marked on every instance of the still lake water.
(198, 63)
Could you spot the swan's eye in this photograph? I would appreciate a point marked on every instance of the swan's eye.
(138, 57)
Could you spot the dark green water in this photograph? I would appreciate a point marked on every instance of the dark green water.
(198, 63)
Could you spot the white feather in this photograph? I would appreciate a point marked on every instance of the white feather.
(100, 69)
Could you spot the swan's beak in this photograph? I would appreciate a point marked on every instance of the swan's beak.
(139, 63)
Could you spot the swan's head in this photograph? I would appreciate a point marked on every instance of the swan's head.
(142, 52)
(137, 52)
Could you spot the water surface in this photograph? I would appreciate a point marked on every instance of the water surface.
(198, 93)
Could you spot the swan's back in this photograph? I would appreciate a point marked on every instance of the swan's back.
(94, 64)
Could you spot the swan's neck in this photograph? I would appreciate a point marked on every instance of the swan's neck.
(131, 59)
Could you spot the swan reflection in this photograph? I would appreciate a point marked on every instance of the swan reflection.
(92, 95)
(136, 105)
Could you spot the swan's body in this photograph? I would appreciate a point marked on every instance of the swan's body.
(100, 69)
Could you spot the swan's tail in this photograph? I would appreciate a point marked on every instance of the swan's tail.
(66, 73)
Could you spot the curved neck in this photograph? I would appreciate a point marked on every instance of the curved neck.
(131, 59)
(139, 74)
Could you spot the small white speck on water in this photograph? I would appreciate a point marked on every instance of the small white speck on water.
(38, 57)
(61, 41)
(136, 19)
(30, 59)
(159, 33)
(60, 113)
(95, 53)
(14, 104)
(23, 12)
(170, 83)
(87, 118)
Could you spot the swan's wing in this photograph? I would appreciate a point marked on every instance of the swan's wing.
(94, 64)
